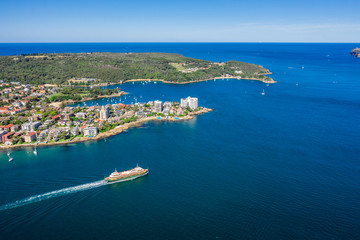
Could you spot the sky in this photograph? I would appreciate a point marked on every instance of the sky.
(180, 21)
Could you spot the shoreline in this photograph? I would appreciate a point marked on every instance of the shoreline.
(58, 104)
(170, 82)
(115, 131)
(195, 81)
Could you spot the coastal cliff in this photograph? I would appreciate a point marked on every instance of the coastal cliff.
(355, 52)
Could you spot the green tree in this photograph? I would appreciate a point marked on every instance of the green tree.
(28, 105)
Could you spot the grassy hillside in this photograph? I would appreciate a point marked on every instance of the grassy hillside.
(116, 67)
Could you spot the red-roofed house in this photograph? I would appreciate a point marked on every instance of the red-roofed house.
(8, 127)
(120, 105)
(31, 136)
(17, 110)
(56, 117)
(6, 137)
(4, 109)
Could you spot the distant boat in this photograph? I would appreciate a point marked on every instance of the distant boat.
(297, 84)
(35, 151)
(302, 67)
(263, 92)
(10, 158)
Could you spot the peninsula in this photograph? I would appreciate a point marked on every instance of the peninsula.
(33, 122)
(97, 69)
(35, 89)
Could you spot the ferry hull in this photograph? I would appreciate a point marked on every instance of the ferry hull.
(126, 178)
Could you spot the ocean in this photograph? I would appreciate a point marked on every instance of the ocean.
(284, 165)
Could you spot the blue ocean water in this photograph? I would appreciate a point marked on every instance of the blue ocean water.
(280, 166)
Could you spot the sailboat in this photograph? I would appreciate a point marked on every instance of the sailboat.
(263, 92)
(10, 158)
(35, 151)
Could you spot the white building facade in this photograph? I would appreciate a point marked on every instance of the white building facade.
(90, 131)
(189, 102)
(104, 112)
(158, 106)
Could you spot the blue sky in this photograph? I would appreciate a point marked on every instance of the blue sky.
(180, 21)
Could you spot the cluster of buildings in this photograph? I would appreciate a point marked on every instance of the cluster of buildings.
(82, 80)
(14, 96)
(181, 66)
(55, 124)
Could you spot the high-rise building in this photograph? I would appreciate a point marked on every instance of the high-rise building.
(158, 106)
(189, 102)
(104, 112)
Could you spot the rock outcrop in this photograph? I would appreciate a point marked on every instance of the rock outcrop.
(355, 52)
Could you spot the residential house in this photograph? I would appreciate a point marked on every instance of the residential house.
(2, 133)
(74, 131)
(56, 117)
(30, 137)
(8, 127)
(6, 137)
(81, 115)
(30, 126)
(90, 131)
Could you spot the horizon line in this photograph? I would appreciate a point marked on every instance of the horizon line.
(172, 42)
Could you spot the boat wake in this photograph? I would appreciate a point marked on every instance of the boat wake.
(56, 193)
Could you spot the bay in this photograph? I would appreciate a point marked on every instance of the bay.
(280, 166)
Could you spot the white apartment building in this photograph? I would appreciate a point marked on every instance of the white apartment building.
(189, 102)
(158, 106)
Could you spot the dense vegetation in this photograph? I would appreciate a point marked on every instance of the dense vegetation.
(77, 94)
(116, 67)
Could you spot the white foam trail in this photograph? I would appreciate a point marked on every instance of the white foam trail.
(52, 194)
(60, 192)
